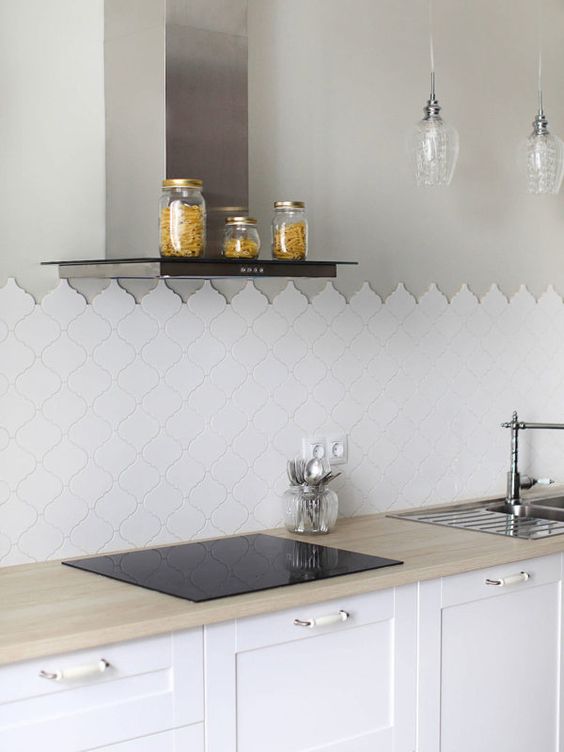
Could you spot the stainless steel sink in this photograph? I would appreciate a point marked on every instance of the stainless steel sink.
(516, 516)
(539, 518)
(554, 502)
(531, 511)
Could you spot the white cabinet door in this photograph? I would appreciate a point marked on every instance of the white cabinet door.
(490, 660)
(188, 739)
(274, 685)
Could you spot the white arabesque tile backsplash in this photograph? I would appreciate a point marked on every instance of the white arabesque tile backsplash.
(126, 424)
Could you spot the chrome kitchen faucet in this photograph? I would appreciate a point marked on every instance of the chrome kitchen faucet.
(534, 518)
(514, 483)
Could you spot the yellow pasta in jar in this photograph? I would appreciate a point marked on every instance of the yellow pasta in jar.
(182, 230)
(290, 241)
(240, 248)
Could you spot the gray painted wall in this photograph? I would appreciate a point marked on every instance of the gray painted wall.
(51, 136)
(335, 87)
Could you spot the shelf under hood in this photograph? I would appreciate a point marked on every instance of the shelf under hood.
(196, 268)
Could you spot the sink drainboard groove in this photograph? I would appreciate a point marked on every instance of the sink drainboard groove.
(486, 521)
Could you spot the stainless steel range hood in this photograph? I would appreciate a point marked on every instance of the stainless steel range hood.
(176, 106)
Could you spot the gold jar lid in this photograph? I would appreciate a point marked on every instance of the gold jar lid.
(240, 221)
(289, 205)
(183, 183)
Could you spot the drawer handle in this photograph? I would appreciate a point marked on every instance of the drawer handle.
(323, 621)
(78, 672)
(513, 579)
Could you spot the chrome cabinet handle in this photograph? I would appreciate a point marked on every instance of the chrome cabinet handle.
(323, 621)
(512, 579)
(77, 672)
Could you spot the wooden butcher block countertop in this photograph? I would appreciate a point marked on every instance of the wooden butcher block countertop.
(47, 608)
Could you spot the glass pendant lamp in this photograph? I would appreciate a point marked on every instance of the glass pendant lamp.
(545, 158)
(433, 144)
(545, 151)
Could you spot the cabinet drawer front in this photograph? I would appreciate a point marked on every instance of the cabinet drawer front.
(471, 586)
(270, 629)
(150, 686)
(188, 739)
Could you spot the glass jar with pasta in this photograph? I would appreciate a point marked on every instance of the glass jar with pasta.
(289, 231)
(182, 218)
(241, 239)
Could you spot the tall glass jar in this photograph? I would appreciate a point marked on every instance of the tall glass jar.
(310, 509)
(182, 218)
(241, 239)
(289, 231)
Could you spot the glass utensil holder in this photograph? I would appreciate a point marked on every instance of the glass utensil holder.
(311, 510)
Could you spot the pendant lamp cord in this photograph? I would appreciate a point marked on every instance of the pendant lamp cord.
(431, 50)
(540, 45)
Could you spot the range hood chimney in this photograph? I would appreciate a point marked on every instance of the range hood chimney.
(176, 107)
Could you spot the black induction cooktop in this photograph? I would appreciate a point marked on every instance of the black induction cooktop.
(203, 571)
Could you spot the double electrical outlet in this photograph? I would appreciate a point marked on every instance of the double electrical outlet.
(332, 449)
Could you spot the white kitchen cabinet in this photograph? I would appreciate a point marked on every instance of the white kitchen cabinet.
(489, 660)
(273, 684)
(150, 686)
(465, 666)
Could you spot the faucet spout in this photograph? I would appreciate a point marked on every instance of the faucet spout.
(513, 495)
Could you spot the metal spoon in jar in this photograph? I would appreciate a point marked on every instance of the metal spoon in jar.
(290, 471)
(329, 477)
(314, 472)
(299, 469)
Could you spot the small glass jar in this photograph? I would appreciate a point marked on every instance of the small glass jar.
(289, 231)
(310, 509)
(241, 239)
(182, 218)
